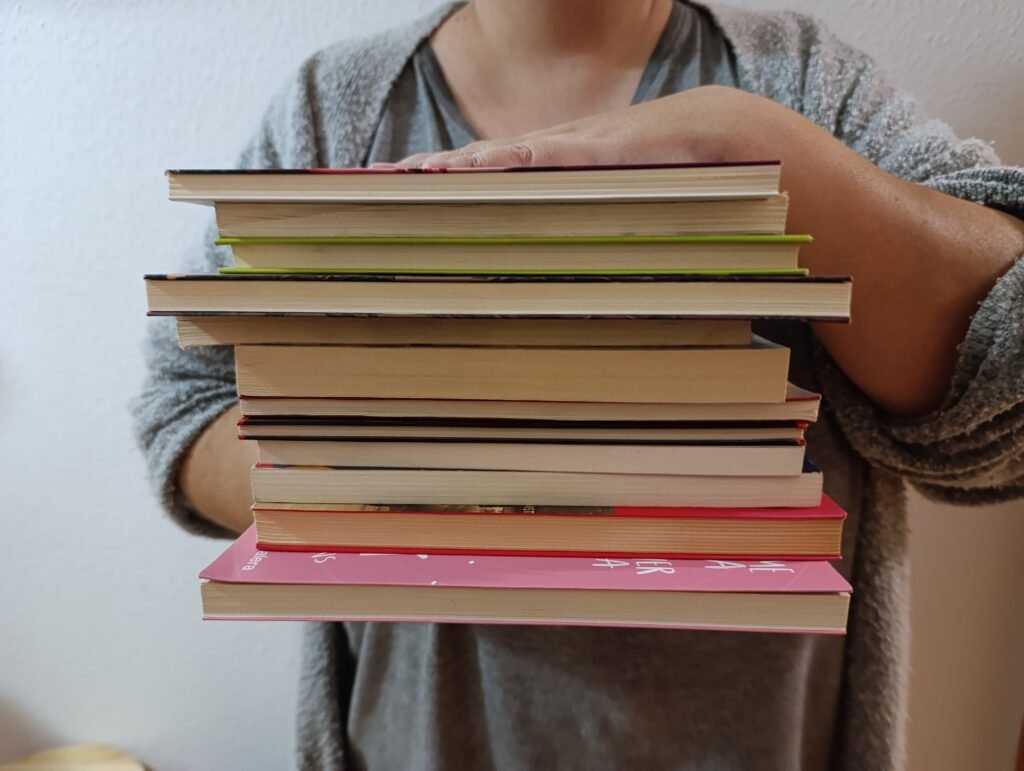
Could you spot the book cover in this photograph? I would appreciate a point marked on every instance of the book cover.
(244, 562)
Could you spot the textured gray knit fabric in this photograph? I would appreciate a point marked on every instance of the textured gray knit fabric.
(428, 696)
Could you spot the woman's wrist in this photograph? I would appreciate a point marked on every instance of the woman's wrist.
(719, 124)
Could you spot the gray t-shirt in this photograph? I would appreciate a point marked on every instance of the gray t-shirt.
(477, 697)
(421, 114)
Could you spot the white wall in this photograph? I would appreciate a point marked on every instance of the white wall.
(99, 637)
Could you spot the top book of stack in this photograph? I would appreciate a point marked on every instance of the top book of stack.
(658, 200)
(553, 183)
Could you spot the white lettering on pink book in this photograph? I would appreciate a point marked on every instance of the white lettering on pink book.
(763, 566)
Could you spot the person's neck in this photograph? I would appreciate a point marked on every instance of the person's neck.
(519, 65)
(612, 31)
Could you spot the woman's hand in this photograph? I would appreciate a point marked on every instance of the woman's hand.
(706, 124)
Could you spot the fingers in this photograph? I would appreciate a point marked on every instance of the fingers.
(477, 154)
(539, 149)
(483, 155)
(519, 153)
(522, 151)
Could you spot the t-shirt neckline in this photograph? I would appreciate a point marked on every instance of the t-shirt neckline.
(674, 30)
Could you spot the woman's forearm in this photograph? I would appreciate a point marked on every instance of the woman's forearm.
(215, 475)
(921, 262)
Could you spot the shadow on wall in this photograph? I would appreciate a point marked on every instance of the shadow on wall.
(1011, 84)
(20, 734)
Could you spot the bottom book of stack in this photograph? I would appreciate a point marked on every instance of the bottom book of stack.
(246, 582)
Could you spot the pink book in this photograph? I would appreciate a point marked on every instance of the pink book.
(246, 582)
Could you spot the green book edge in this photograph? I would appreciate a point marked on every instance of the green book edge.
(488, 241)
(463, 272)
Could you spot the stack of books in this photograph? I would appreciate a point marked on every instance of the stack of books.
(517, 396)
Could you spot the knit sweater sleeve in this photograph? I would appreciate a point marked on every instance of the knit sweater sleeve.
(186, 389)
(323, 117)
(970, 449)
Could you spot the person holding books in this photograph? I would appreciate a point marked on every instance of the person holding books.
(926, 385)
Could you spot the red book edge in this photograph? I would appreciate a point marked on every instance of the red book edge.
(603, 554)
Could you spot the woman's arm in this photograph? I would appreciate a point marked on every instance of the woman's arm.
(921, 260)
(215, 475)
(186, 411)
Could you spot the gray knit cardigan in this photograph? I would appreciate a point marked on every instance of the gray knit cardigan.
(968, 451)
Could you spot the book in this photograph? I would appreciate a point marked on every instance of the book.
(800, 405)
(769, 458)
(603, 273)
(670, 181)
(341, 330)
(246, 582)
(793, 533)
(756, 373)
(822, 298)
(759, 216)
(306, 484)
(354, 427)
(638, 254)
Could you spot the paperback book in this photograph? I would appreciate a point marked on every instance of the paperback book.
(611, 531)
(250, 583)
